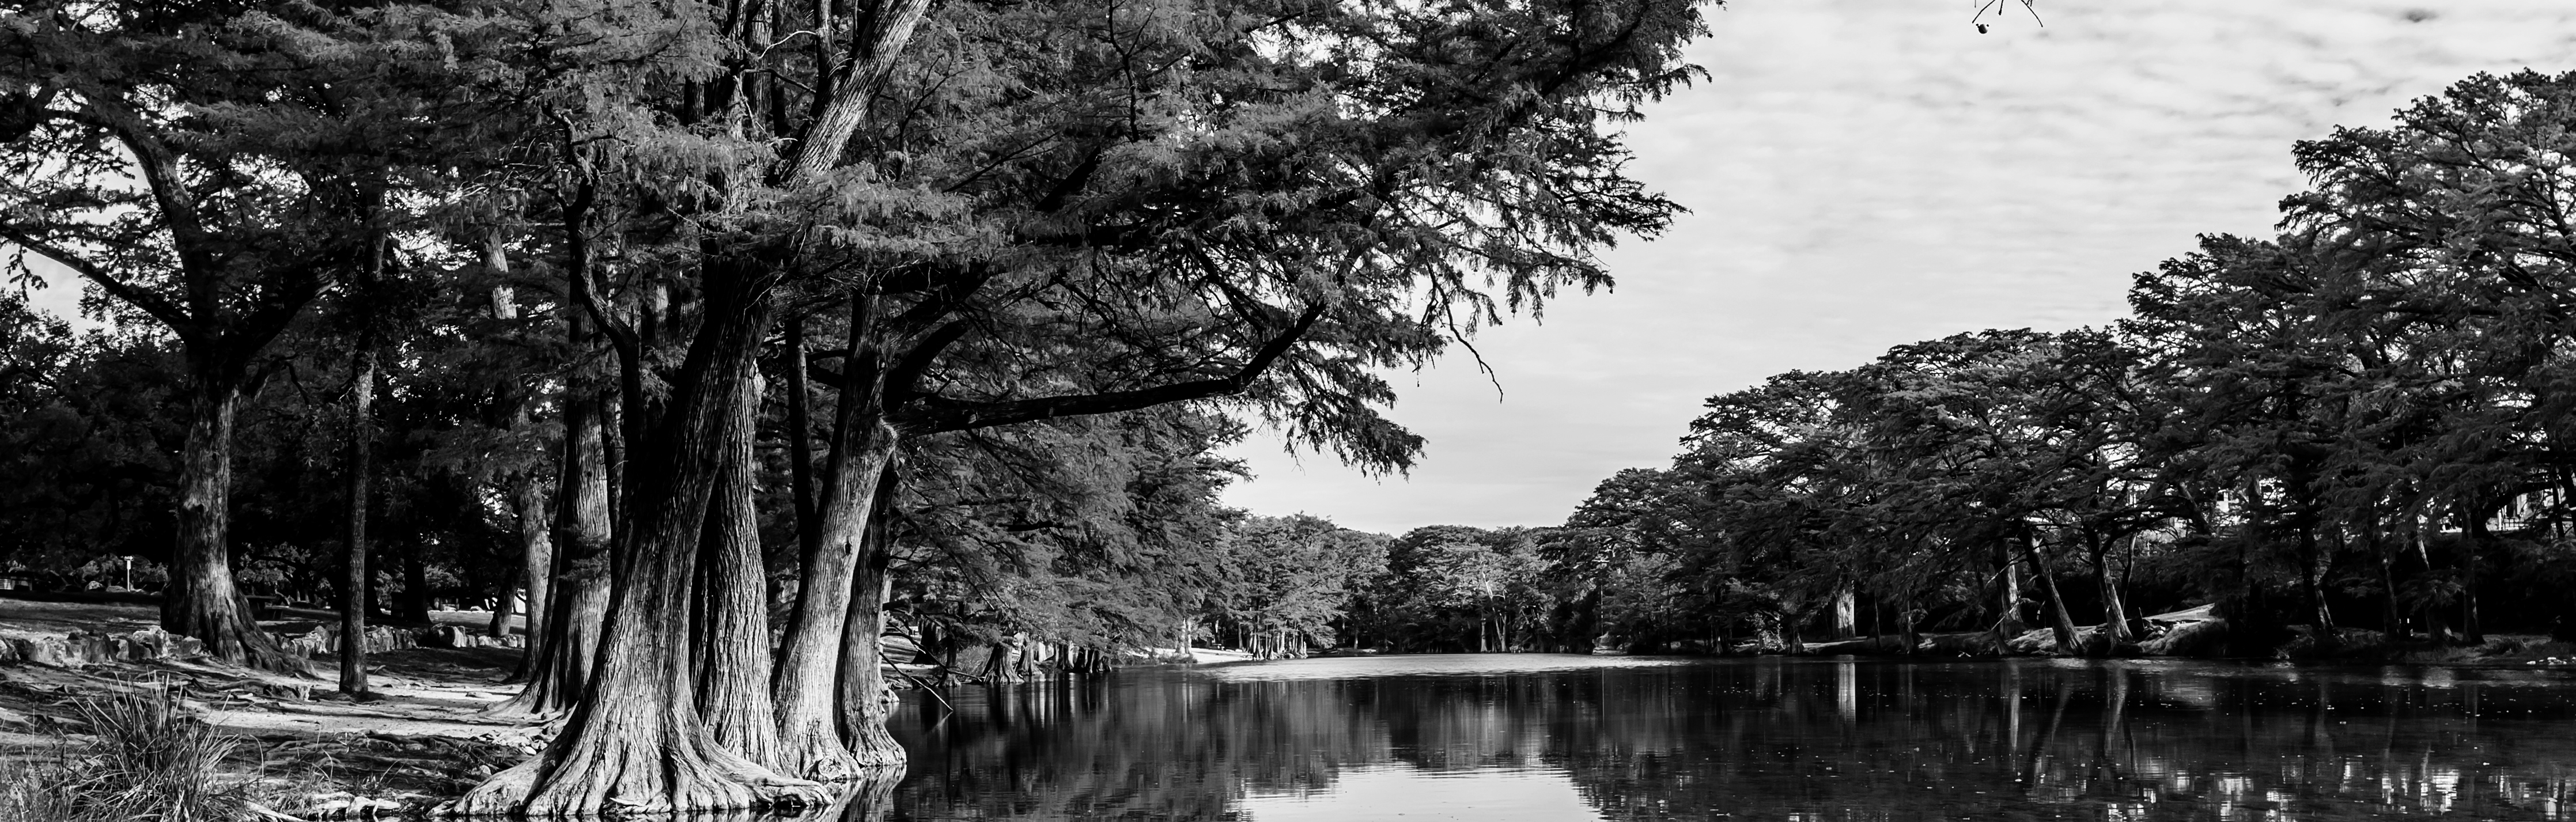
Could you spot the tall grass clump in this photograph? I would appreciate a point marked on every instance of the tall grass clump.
(152, 761)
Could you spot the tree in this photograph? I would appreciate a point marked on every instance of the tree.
(216, 204)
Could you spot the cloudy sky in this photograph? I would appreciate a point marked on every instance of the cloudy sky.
(1867, 173)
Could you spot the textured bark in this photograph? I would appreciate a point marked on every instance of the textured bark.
(353, 585)
(635, 743)
(866, 702)
(806, 682)
(202, 601)
(731, 622)
(557, 666)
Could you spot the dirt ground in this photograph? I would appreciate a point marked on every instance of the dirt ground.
(427, 739)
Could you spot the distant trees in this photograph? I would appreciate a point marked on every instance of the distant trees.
(2357, 422)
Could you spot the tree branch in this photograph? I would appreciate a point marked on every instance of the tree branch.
(938, 414)
(146, 301)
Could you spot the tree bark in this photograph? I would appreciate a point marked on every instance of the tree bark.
(635, 743)
(732, 620)
(537, 552)
(202, 600)
(559, 660)
(865, 701)
(806, 682)
(353, 584)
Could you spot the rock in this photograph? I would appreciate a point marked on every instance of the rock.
(51, 652)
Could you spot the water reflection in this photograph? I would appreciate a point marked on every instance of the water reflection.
(1560, 737)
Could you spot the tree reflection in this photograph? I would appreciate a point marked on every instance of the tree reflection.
(1820, 739)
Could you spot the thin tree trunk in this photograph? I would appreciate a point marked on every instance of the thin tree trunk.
(506, 605)
(2479, 537)
(201, 600)
(864, 698)
(2115, 614)
(537, 552)
(353, 583)
(2061, 624)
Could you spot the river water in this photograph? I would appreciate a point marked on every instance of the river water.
(1569, 738)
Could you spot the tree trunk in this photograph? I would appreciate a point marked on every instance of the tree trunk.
(2312, 583)
(807, 680)
(865, 701)
(504, 606)
(353, 584)
(2479, 537)
(2115, 614)
(201, 600)
(1846, 614)
(2061, 624)
(732, 619)
(635, 743)
(559, 660)
(537, 552)
(2008, 621)
(413, 604)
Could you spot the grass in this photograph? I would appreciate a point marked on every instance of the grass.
(152, 761)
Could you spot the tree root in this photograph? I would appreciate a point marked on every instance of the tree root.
(813, 750)
(606, 772)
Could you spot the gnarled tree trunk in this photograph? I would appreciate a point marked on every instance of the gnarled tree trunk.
(635, 742)
(731, 623)
(807, 681)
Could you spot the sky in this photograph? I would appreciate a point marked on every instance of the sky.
(1867, 173)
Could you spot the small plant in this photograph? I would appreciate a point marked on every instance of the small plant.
(152, 761)
(34, 789)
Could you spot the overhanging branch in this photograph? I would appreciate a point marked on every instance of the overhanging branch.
(937, 413)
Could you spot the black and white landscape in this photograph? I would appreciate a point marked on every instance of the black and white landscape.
(1286, 409)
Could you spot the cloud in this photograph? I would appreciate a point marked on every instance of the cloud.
(1866, 173)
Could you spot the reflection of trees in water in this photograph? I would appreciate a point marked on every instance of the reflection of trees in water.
(1858, 740)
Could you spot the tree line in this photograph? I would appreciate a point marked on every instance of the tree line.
(2352, 433)
(725, 329)
(2359, 424)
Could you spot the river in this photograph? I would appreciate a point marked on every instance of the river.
(1558, 738)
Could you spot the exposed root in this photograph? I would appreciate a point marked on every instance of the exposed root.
(612, 773)
(876, 749)
(501, 795)
(813, 750)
